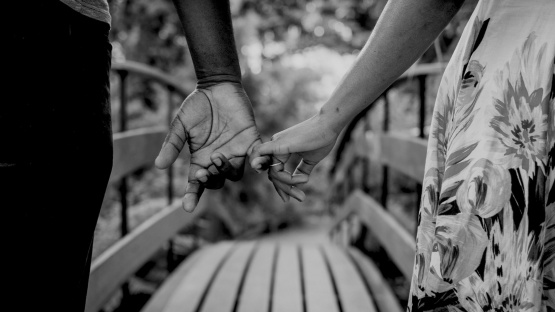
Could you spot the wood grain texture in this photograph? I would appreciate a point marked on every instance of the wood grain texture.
(258, 281)
(222, 295)
(188, 295)
(287, 295)
(319, 292)
(382, 293)
(396, 240)
(115, 265)
(353, 295)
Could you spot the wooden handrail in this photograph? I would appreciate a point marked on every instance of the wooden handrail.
(422, 70)
(395, 239)
(401, 152)
(113, 267)
(135, 149)
(150, 73)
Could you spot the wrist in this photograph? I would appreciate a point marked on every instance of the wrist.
(332, 118)
(213, 80)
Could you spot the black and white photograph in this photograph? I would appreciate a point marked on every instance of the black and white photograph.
(278, 156)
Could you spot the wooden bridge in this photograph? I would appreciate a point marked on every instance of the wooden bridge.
(281, 274)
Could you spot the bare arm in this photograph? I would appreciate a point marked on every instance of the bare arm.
(404, 31)
(209, 33)
(216, 121)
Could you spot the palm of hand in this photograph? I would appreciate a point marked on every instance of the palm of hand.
(215, 126)
(218, 124)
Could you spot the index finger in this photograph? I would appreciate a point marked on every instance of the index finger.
(173, 144)
(194, 189)
(264, 155)
(269, 148)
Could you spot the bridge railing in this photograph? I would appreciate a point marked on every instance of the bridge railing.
(137, 149)
(359, 214)
(134, 150)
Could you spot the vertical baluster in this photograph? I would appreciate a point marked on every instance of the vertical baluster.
(170, 256)
(169, 117)
(124, 228)
(385, 169)
(123, 126)
(365, 160)
(422, 108)
(421, 125)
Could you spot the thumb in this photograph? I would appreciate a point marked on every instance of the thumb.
(257, 161)
(260, 156)
(173, 144)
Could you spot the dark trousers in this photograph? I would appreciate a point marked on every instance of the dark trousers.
(55, 152)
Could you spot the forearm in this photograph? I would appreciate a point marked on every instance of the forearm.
(209, 33)
(404, 31)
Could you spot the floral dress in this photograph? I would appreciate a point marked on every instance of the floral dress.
(486, 226)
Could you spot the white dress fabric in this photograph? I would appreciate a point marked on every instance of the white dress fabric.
(486, 229)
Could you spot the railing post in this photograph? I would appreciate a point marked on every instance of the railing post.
(169, 117)
(421, 125)
(366, 161)
(385, 169)
(422, 108)
(124, 227)
(170, 256)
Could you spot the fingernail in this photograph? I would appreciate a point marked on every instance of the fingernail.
(188, 207)
(218, 162)
(203, 179)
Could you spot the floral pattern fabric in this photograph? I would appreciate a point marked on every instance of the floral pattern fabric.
(486, 226)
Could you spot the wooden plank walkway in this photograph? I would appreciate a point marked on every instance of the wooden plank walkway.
(268, 276)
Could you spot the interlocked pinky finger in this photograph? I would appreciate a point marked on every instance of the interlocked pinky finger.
(278, 163)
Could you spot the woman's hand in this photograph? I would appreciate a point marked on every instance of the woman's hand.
(218, 123)
(312, 139)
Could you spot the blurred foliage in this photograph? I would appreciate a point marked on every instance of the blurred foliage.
(292, 54)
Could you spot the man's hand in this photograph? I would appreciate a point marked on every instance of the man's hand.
(218, 123)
